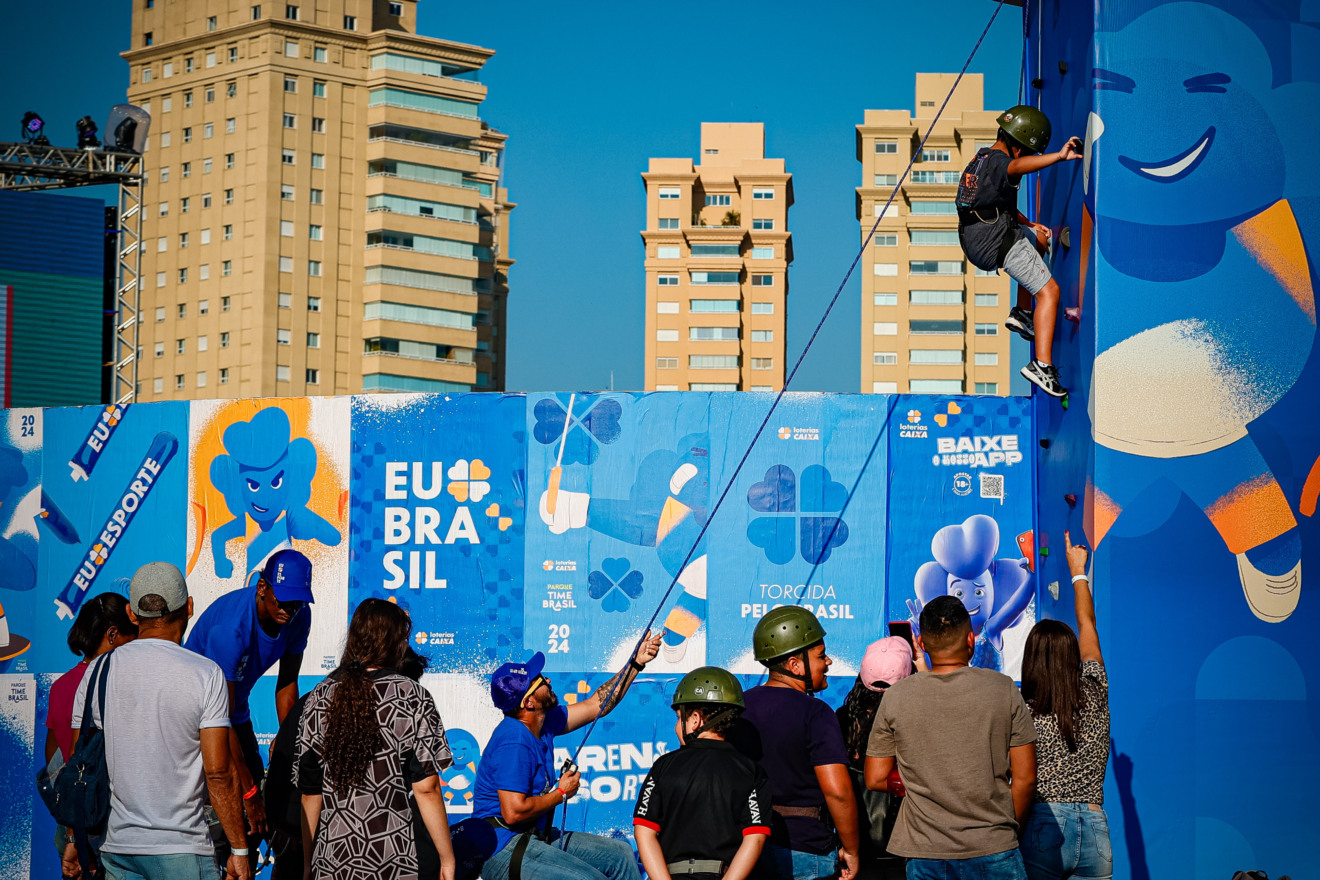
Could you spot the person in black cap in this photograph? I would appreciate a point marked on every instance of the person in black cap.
(518, 789)
(246, 632)
(704, 811)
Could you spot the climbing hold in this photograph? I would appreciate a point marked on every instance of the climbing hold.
(1044, 443)
(1065, 236)
(1044, 551)
(1073, 313)
(1063, 68)
(1072, 501)
(1064, 401)
(1037, 83)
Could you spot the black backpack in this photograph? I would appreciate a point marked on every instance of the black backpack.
(82, 790)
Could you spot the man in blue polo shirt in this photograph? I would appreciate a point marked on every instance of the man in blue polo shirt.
(246, 632)
(518, 786)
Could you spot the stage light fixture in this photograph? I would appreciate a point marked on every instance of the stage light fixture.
(87, 133)
(33, 125)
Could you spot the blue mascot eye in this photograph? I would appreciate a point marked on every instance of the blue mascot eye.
(277, 482)
(958, 593)
(980, 592)
(253, 485)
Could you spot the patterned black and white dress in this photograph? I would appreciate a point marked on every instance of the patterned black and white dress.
(367, 833)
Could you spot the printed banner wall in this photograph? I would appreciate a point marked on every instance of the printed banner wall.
(509, 524)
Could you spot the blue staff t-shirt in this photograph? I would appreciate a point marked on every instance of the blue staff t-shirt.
(517, 760)
(228, 633)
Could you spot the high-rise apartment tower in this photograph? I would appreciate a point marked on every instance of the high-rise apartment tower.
(931, 321)
(717, 255)
(324, 209)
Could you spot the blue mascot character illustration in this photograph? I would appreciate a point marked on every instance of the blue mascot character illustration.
(461, 775)
(267, 477)
(665, 509)
(1210, 310)
(995, 592)
(20, 573)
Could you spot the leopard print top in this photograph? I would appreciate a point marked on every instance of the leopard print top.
(1076, 777)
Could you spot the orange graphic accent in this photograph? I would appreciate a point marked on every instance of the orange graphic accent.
(1101, 513)
(683, 622)
(1085, 261)
(1027, 547)
(343, 506)
(673, 513)
(1253, 513)
(1311, 490)
(1272, 237)
(199, 514)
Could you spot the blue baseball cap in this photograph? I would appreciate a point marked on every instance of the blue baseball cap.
(512, 682)
(289, 574)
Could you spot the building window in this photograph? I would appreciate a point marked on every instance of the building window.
(884, 358)
(935, 356)
(670, 192)
(763, 193)
(934, 208)
(290, 49)
(203, 343)
(713, 306)
(666, 336)
(990, 300)
(666, 363)
(230, 125)
(763, 363)
(229, 197)
(763, 308)
(183, 276)
(188, 67)
(227, 232)
(290, 121)
(231, 88)
(184, 204)
(936, 267)
(318, 125)
(314, 268)
(929, 155)
(286, 264)
(763, 223)
(281, 374)
(763, 336)
(885, 299)
(318, 161)
(162, 244)
(211, 23)
(396, 9)
(668, 222)
(164, 138)
(667, 280)
(350, 22)
(319, 54)
(160, 349)
(186, 169)
(713, 278)
(712, 362)
(201, 378)
(224, 340)
(317, 197)
(287, 157)
(164, 209)
(885, 180)
(208, 130)
(290, 12)
(160, 279)
(313, 377)
(987, 329)
(314, 233)
(187, 135)
(889, 148)
(884, 328)
(256, 12)
(204, 274)
(206, 166)
(667, 252)
(180, 346)
(183, 310)
(936, 328)
(935, 386)
(986, 273)
(146, 71)
(666, 308)
(885, 239)
(227, 269)
(886, 270)
(987, 359)
(936, 297)
(183, 239)
(291, 84)
(206, 200)
(313, 304)
(167, 69)
(945, 177)
(713, 334)
(224, 303)
(284, 300)
(763, 280)
(178, 381)
(719, 201)
(763, 253)
(890, 210)
(714, 250)
(286, 192)
(282, 337)
(224, 375)
(935, 237)
(160, 314)
(313, 340)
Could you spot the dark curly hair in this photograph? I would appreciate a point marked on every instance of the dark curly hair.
(377, 636)
(856, 716)
(94, 620)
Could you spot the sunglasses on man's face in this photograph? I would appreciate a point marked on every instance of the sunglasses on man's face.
(292, 607)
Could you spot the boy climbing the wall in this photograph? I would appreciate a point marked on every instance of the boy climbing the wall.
(995, 235)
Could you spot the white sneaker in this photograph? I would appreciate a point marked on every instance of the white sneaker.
(1045, 377)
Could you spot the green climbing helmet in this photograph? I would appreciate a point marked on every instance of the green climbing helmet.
(709, 684)
(1026, 125)
(785, 630)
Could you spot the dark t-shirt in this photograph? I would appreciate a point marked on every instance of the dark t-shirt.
(792, 734)
(703, 800)
(991, 194)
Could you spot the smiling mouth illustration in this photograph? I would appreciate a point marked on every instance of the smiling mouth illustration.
(1176, 168)
(259, 509)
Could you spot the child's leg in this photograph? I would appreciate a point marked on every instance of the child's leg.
(1047, 309)
(1023, 299)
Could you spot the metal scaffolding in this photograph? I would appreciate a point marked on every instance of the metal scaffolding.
(28, 167)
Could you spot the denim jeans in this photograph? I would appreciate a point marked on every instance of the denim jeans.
(1067, 840)
(781, 863)
(585, 857)
(176, 866)
(1000, 866)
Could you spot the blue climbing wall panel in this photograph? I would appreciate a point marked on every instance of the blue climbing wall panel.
(1191, 439)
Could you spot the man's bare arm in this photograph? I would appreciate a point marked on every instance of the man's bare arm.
(1022, 764)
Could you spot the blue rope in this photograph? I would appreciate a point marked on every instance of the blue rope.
(793, 372)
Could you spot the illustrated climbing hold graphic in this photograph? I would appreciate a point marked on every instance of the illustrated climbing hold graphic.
(11, 643)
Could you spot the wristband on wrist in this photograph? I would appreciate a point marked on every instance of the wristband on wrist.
(635, 665)
(252, 792)
(562, 793)
(1081, 577)
(239, 852)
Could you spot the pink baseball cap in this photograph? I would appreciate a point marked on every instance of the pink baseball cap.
(886, 661)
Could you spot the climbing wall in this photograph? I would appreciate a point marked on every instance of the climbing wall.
(1187, 454)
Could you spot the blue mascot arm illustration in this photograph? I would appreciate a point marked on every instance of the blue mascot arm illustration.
(303, 523)
(1014, 589)
(224, 476)
(931, 581)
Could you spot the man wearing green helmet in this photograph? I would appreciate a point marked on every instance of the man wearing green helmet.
(703, 811)
(798, 741)
(995, 235)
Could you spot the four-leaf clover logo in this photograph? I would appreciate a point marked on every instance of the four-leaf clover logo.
(468, 480)
(798, 514)
(614, 584)
(599, 424)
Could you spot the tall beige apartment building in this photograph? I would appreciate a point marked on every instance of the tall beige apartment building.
(931, 321)
(717, 256)
(324, 212)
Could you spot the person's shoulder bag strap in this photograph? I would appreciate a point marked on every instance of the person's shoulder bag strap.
(90, 863)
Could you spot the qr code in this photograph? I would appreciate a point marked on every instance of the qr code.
(992, 486)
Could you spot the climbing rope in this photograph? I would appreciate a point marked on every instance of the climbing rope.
(788, 380)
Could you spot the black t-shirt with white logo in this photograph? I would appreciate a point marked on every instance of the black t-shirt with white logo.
(702, 800)
(987, 207)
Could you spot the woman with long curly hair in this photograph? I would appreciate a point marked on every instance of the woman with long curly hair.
(369, 736)
(1065, 686)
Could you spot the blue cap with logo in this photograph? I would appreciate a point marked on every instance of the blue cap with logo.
(513, 681)
(289, 574)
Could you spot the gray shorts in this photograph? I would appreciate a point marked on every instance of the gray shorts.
(1024, 264)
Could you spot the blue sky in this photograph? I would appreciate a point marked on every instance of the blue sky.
(587, 92)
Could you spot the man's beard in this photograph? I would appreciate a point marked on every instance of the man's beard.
(550, 702)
